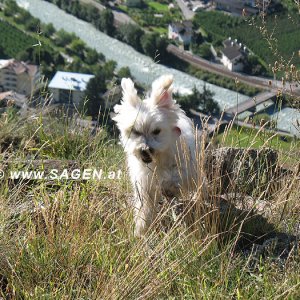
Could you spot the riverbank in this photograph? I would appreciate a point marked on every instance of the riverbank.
(137, 34)
(141, 66)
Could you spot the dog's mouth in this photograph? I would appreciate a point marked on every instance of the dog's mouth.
(146, 158)
(147, 161)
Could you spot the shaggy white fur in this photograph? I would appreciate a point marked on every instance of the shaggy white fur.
(159, 140)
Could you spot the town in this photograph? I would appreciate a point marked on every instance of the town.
(230, 59)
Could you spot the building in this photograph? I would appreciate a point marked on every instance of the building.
(233, 55)
(18, 76)
(240, 7)
(171, 6)
(181, 32)
(246, 7)
(12, 98)
(69, 88)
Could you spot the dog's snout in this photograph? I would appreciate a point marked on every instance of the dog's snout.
(145, 155)
(144, 152)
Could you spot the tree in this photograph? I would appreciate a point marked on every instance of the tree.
(64, 38)
(77, 46)
(106, 22)
(92, 14)
(32, 25)
(197, 38)
(23, 55)
(108, 69)
(204, 51)
(124, 73)
(57, 2)
(58, 59)
(202, 101)
(189, 101)
(11, 8)
(2, 52)
(131, 34)
(148, 42)
(37, 55)
(48, 29)
(91, 56)
(154, 46)
(77, 66)
(161, 46)
(93, 102)
(82, 12)
(253, 66)
(207, 103)
(75, 8)
(23, 17)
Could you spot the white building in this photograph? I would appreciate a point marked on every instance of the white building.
(181, 31)
(18, 76)
(69, 88)
(233, 55)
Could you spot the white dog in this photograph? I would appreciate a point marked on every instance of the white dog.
(159, 140)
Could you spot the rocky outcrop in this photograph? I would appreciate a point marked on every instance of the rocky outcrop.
(246, 171)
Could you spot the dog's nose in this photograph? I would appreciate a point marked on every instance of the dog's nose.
(145, 155)
(144, 152)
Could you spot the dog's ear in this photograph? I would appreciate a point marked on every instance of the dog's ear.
(161, 94)
(177, 131)
(129, 92)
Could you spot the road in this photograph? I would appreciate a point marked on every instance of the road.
(119, 17)
(252, 102)
(216, 125)
(258, 82)
(187, 13)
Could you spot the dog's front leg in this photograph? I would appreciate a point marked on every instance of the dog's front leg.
(145, 206)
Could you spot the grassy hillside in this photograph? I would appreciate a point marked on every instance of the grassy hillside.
(243, 137)
(73, 239)
(246, 137)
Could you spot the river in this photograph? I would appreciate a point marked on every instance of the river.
(141, 66)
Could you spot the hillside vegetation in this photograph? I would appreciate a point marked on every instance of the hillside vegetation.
(70, 239)
(13, 40)
(276, 40)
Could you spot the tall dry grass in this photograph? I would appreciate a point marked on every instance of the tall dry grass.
(74, 239)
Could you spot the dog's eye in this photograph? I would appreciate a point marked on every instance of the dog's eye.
(156, 131)
(135, 132)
